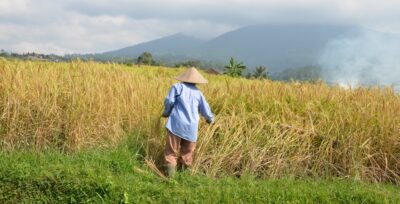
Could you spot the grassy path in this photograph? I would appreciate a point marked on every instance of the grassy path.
(118, 176)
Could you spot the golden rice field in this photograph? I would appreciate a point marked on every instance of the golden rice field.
(263, 128)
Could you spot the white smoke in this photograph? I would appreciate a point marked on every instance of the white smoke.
(363, 58)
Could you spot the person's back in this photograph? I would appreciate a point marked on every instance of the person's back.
(182, 105)
(187, 102)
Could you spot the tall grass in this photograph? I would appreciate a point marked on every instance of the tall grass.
(264, 128)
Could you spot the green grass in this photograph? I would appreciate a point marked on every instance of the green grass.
(112, 176)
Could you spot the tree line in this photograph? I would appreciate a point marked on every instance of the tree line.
(233, 68)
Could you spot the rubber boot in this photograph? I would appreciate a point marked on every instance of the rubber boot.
(185, 168)
(170, 170)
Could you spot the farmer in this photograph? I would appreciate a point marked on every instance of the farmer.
(182, 105)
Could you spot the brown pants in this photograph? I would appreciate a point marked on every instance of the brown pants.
(177, 147)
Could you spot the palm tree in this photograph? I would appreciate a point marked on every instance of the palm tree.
(234, 68)
(260, 73)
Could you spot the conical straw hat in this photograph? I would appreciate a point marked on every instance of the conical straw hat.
(191, 75)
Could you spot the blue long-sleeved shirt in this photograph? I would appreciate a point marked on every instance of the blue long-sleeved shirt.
(183, 104)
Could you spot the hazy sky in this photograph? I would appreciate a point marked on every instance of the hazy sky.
(81, 26)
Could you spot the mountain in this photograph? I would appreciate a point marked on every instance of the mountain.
(170, 45)
(275, 46)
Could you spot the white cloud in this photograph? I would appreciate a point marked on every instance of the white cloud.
(86, 34)
(65, 26)
(8, 7)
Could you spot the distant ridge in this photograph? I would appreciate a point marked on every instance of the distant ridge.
(177, 43)
(275, 46)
